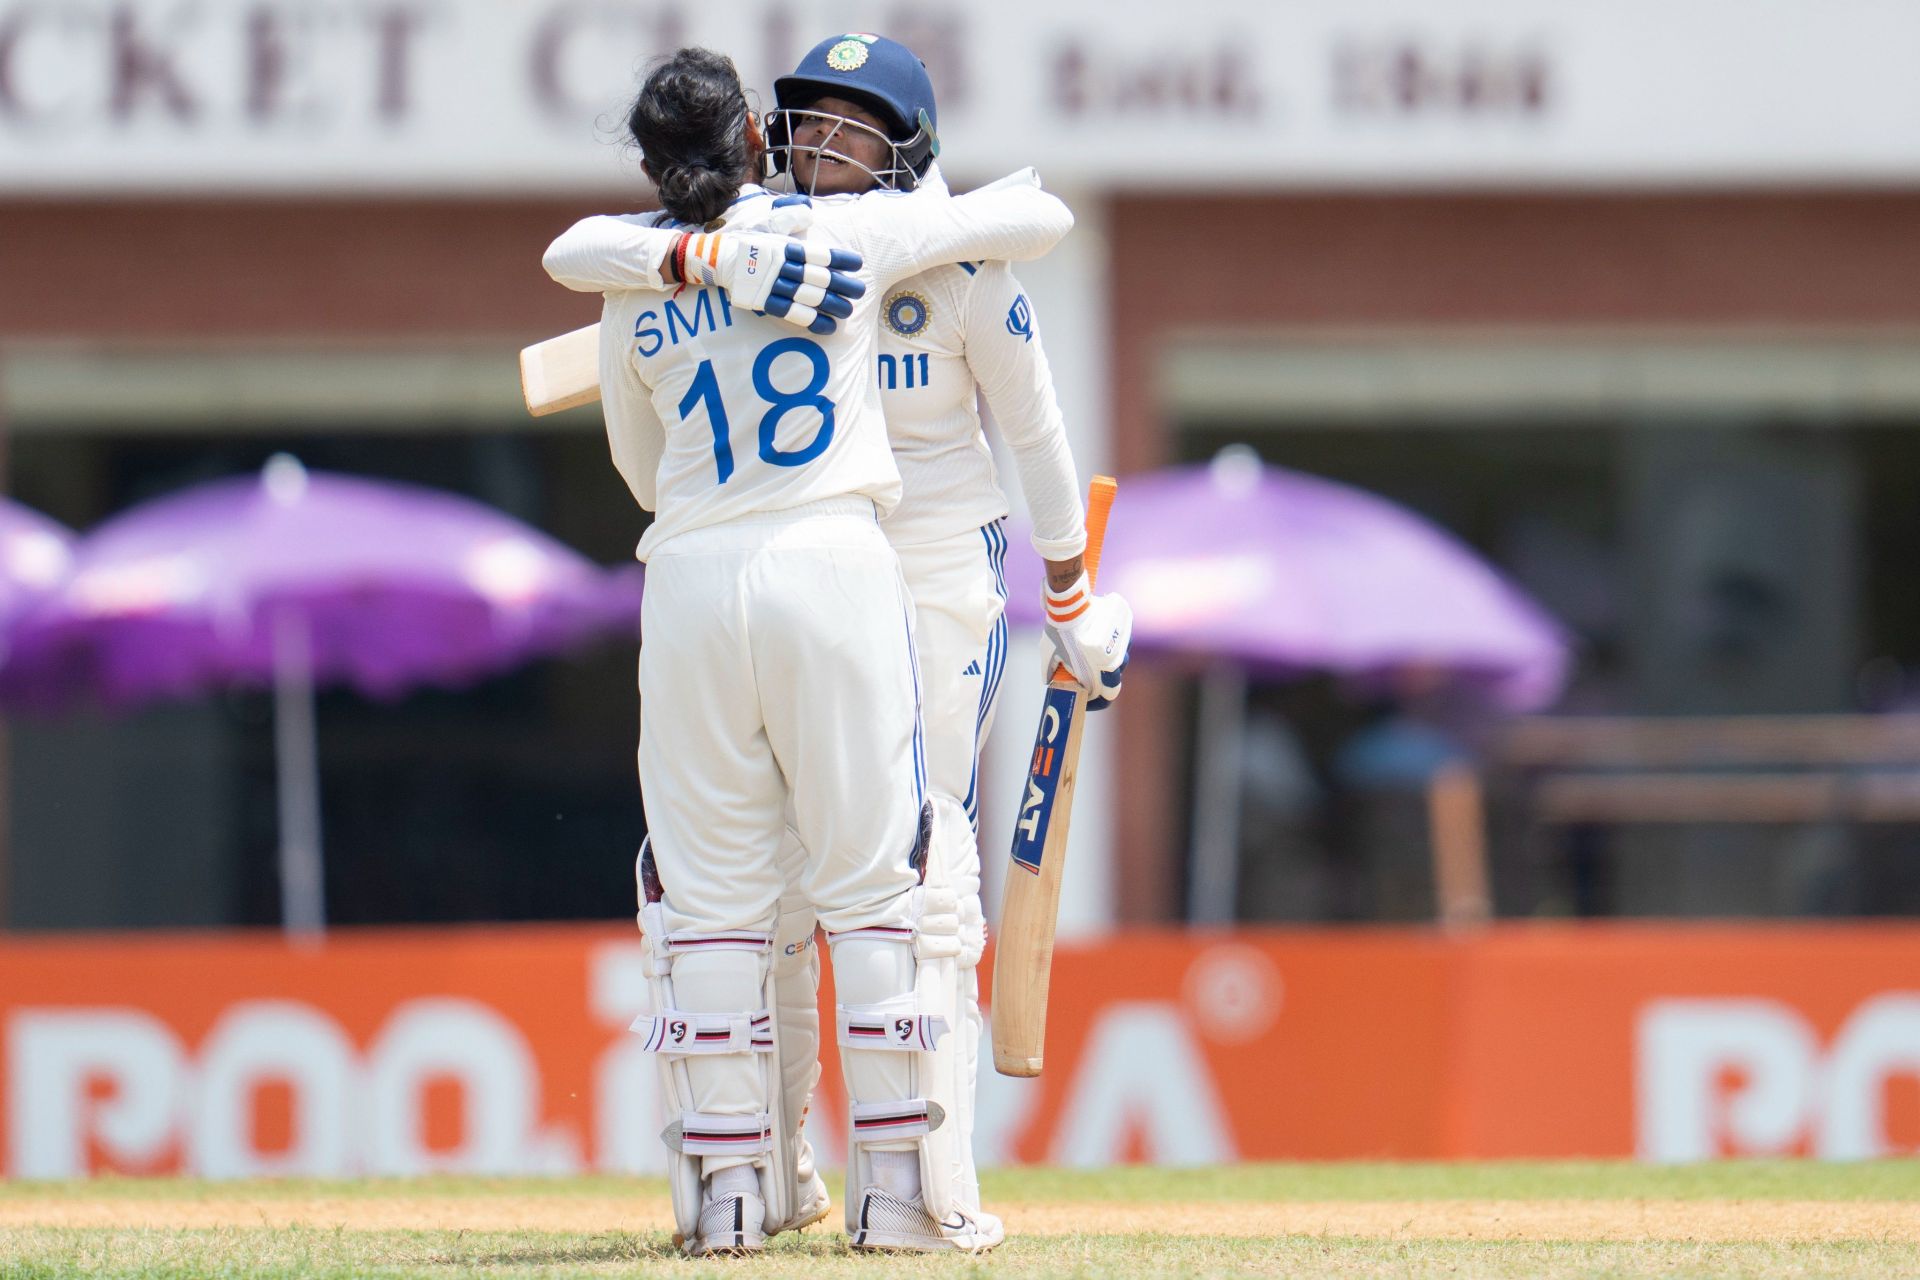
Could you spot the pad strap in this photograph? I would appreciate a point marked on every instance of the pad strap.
(894, 1024)
(663, 946)
(877, 932)
(935, 933)
(743, 940)
(892, 1121)
(678, 1033)
(699, 1133)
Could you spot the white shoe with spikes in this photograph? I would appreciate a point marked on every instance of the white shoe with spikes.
(730, 1224)
(889, 1224)
(815, 1204)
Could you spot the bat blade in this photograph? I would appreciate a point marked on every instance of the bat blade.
(561, 373)
(1030, 906)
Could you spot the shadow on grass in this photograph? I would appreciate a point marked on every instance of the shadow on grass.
(609, 1248)
(618, 1248)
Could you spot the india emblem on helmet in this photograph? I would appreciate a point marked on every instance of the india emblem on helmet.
(848, 55)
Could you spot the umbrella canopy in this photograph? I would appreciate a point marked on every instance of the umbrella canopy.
(1288, 572)
(35, 556)
(392, 586)
(301, 579)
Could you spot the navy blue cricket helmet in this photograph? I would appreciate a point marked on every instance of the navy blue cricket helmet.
(880, 74)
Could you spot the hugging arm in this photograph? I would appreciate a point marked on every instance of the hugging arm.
(809, 286)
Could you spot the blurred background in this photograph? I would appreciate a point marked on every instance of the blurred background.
(1610, 792)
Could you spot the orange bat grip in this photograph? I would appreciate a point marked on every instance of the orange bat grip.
(1099, 507)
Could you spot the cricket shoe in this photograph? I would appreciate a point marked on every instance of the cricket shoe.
(889, 1224)
(815, 1204)
(730, 1224)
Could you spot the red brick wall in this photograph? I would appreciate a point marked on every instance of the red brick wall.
(166, 270)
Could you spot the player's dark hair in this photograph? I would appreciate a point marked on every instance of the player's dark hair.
(690, 121)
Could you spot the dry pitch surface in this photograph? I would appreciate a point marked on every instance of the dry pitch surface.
(1549, 1220)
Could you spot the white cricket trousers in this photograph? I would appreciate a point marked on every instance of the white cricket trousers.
(959, 590)
(958, 586)
(777, 669)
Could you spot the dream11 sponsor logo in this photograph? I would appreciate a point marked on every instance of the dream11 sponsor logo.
(90, 1089)
(1749, 1077)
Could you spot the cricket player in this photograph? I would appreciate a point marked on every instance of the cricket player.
(777, 678)
(857, 116)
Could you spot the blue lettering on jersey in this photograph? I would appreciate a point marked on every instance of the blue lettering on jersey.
(649, 338)
(891, 366)
(644, 333)
(704, 393)
(1020, 319)
(678, 320)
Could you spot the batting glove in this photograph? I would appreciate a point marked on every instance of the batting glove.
(1090, 636)
(810, 286)
(1109, 687)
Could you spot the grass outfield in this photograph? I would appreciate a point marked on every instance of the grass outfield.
(1547, 1220)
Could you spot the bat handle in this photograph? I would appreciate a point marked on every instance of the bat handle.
(1099, 507)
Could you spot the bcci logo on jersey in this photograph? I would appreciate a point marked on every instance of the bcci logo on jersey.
(906, 313)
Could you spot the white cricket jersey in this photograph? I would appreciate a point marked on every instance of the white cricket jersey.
(714, 412)
(943, 333)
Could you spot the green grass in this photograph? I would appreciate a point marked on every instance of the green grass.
(1492, 1180)
(324, 1255)
(33, 1252)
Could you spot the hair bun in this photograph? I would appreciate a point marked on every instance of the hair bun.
(696, 192)
(677, 183)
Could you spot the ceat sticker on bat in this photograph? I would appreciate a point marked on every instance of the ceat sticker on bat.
(1043, 775)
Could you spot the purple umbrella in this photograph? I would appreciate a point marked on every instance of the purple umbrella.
(298, 578)
(1268, 570)
(1289, 573)
(35, 556)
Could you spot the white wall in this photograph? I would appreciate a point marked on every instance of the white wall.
(527, 95)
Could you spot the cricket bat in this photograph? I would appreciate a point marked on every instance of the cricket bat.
(561, 373)
(1030, 905)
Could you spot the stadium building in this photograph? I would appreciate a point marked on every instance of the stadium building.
(1624, 316)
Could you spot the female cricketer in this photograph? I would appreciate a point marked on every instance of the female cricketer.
(854, 124)
(778, 684)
